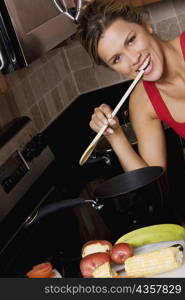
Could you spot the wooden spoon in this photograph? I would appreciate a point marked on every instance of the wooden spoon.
(94, 142)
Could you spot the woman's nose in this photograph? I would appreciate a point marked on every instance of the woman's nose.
(134, 58)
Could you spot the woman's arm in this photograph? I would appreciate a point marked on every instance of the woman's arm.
(148, 130)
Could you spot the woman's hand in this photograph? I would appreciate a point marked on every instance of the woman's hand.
(102, 116)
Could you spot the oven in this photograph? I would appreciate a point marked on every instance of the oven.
(34, 211)
(24, 161)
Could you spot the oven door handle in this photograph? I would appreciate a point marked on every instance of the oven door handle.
(2, 62)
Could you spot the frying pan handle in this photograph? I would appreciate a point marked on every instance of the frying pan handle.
(53, 207)
(56, 206)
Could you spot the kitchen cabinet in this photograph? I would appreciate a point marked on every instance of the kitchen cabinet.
(39, 26)
(143, 2)
(3, 85)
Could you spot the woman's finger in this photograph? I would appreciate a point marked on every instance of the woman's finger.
(106, 109)
(99, 117)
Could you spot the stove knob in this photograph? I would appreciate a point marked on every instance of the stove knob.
(34, 147)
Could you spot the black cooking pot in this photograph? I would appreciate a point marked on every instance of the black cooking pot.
(133, 199)
(125, 202)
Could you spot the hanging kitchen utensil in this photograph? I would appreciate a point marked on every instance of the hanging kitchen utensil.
(69, 12)
(94, 142)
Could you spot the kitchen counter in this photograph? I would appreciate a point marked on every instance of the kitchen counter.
(12, 129)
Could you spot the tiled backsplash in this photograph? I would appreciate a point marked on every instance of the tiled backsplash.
(46, 87)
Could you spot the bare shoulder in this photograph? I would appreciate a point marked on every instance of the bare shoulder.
(139, 102)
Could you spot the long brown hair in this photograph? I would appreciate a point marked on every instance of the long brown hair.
(98, 15)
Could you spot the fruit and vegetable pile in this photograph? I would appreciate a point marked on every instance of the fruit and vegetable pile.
(99, 257)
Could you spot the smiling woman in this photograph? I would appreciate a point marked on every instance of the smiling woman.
(119, 36)
(101, 17)
(121, 49)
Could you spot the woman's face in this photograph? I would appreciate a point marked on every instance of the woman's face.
(125, 46)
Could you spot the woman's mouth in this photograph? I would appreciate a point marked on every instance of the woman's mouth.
(146, 66)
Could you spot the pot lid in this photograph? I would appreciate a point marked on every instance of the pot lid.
(128, 182)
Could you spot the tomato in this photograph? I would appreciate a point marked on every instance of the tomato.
(43, 270)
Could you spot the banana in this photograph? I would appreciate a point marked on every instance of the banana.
(153, 234)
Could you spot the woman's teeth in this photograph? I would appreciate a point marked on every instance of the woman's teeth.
(145, 64)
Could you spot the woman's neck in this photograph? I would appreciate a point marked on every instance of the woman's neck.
(174, 64)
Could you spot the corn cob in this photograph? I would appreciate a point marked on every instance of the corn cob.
(104, 271)
(152, 234)
(155, 262)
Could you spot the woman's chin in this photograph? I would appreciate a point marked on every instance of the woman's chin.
(153, 76)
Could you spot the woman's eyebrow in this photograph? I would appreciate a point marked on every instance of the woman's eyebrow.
(117, 53)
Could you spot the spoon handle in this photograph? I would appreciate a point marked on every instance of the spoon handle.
(94, 142)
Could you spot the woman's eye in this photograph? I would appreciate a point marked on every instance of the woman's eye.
(131, 40)
(116, 59)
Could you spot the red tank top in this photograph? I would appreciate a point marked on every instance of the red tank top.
(158, 103)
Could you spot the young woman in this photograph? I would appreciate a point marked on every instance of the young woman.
(118, 36)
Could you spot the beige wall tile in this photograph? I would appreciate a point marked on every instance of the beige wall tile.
(86, 80)
(64, 61)
(179, 6)
(51, 106)
(23, 73)
(182, 22)
(70, 88)
(35, 115)
(34, 65)
(106, 76)
(51, 73)
(39, 84)
(12, 79)
(28, 92)
(63, 94)
(20, 98)
(168, 29)
(11, 102)
(23, 95)
(61, 65)
(78, 58)
(44, 111)
(161, 10)
(57, 100)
